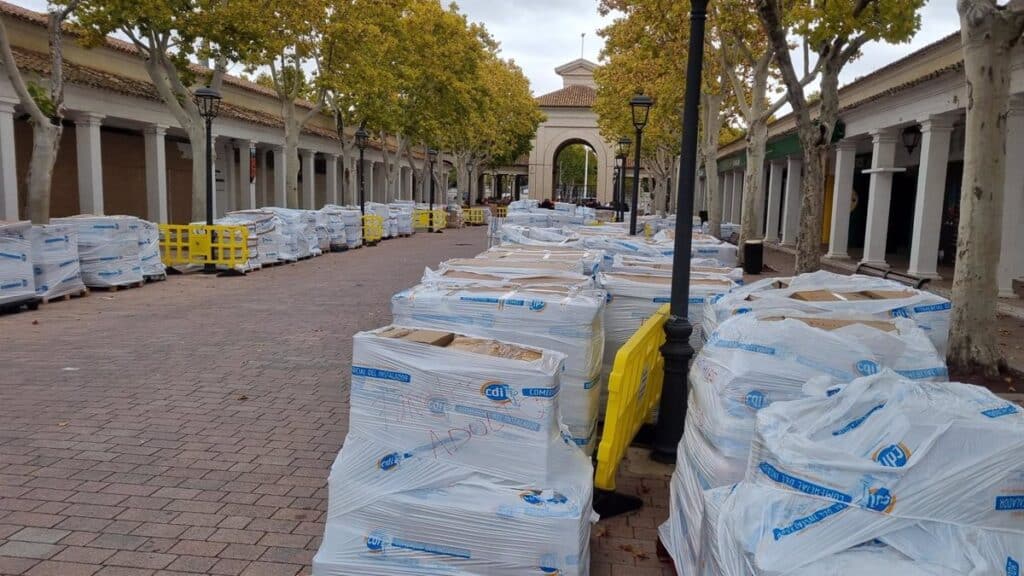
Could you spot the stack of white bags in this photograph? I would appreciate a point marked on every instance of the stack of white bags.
(455, 463)
(55, 260)
(16, 275)
(108, 249)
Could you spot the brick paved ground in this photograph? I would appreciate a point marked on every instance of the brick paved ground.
(188, 426)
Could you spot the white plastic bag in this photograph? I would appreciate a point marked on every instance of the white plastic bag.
(55, 260)
(17, 281)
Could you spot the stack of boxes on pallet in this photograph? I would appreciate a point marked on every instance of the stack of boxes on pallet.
(822, 437)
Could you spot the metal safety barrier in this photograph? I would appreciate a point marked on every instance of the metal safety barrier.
(185, 244)
(421, 219)
(373, 228)
(634, 389)
(474, 216)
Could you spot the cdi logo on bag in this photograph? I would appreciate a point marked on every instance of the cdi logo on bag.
(498, 392)
(390, 462)
(867, 367)
(756, 399)
(537, 305)
(376, 541)
(880, 500)
(1012, 567)
(536, 497)
(893, 456)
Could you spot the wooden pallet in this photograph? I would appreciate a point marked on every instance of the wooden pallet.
(64, 297)
(120, 287)
(31, 303)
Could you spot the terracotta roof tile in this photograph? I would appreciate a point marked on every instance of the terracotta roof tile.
(572, 96)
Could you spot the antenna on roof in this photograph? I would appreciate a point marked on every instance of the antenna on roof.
(582, 36)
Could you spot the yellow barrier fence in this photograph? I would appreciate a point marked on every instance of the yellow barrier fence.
(634, 389)
(499, 211)
(186, 244)
(474, 216)
(373, 228)
(421, 219)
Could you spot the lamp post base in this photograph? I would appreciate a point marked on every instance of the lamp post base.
(608, 503)
(672, 409)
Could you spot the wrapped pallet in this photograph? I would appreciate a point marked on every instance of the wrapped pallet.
(633, 298)
(17, 283)
(300, 239)
(824, 293)
(590, 260)
(551, 317)
(55, 261)
(258, 225)
(931, 471)
(699, 267)
(334, 223)
(149, 249)
(108, 249)
(755, 360)
(512, 268)
(455, 463)
(449, 278)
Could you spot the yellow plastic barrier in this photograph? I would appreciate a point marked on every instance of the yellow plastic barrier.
(500, 211)
(201, 244)
(373, 228)
(474, 216)
(421, 219)
(634, 389)
(648, 231)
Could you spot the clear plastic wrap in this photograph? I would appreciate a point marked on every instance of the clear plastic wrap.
(108, 249)
(55, 260)
(17, 281)
(824, 292)
(554, 318)
(755, 360)
(334, 221)
(590, 260)
(662, 266)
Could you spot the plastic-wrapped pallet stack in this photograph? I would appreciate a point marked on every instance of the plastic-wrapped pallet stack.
(17, 282)
(699, 267)
(258, 225)
(551, 317)
(887, 476)
(55, 260)
(755, 360)
(299, 239)
(149, 249)
(320, 228)
(334, 221)
(633, 298)
(591, 259)
(824, 292)
(454, 463)
(108, 249)
(384, 212)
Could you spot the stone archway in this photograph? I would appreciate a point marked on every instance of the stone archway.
(558, 161)
(570, 118)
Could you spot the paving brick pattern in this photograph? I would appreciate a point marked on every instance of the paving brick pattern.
(187, 427)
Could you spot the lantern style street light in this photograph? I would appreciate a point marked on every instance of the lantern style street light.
(620, 184)
(361, 138)
(640, 106)
(677, 350)
(470, 165)
(207, 100)
(432, 155)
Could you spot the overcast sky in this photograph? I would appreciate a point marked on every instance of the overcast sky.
(543, 34)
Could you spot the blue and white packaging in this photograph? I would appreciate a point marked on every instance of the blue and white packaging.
(590, 260)
(149, 248)
(943, 452)
(825, 292)
(477, 403)
(108, 249)
(55, 260)
(662, 266)
(17, 281)
(561, 319)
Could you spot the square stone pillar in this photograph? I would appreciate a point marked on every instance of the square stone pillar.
(224, 198)
(936, 133)
(737, 197)
(727, 197)
(1011, 261)
(308, 198)
(90, 163)
(791, 208)
(771, 233)
(280, 177)
(8, 163)
(261, 178)
(880, 195)
(245, 184)
(842, 199)
(155, 138)
(331, 161)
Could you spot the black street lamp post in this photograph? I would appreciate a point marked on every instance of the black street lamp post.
(361, 138)
(207, 100)
(641, 107)
(432, 155)
(470, 165)
(677, 350)
(620, 184)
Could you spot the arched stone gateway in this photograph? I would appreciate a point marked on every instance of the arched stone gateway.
(570, 119)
